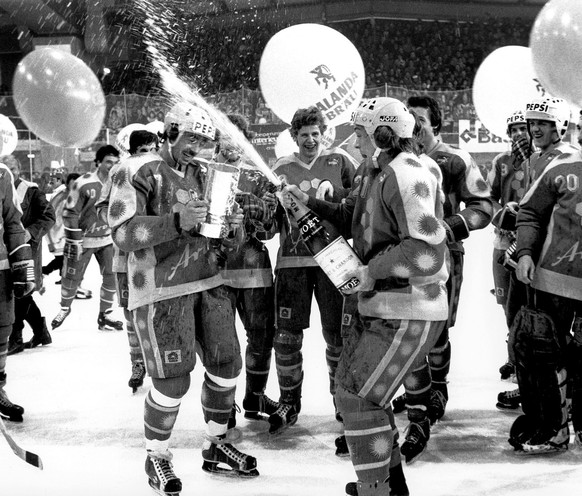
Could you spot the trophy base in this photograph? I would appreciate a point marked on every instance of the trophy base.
(211, 230)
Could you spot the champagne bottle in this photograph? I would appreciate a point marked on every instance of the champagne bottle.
(333, 254)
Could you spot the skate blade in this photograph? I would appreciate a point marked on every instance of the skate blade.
(414, 458)
(282, 428)
(342, 454)
(108, 328)
(505, 408)
(256, 416)
(541, 450)
(163, 493)
(214, 469)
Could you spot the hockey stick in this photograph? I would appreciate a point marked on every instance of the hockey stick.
(27, 456)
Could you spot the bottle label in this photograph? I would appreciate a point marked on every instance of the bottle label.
(339, 261)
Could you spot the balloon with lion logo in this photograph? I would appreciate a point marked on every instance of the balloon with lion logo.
(311, 64)
(59, 97)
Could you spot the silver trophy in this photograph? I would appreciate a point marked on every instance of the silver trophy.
(220, 192)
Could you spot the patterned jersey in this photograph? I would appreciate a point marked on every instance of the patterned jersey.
(549, 226)
(11, 230)
(249, 266)
(80, 211)
(334, 165)
(538, 161)
(56, 234)
(398, 235)
(462, 183)
(163, 261)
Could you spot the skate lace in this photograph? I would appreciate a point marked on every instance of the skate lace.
(437, 400)
(164, 469)
(266, 404)
(4, 401)
(234, 454)
(137, 370)
(415, 433)
(62, 315)
(511, 395)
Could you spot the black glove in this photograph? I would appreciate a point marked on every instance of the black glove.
(520, 148)
(73, 244)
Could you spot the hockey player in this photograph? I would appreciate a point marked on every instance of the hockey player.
(548, 237)
(402, 300)
(248, 274)
(140, 141)
(86, 234)
(37, 217)
(16, 278)
(507, 180)
(462, 183)
(297, 275)
(176, 296)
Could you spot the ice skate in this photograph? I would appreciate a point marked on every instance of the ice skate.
(15, 347)
(508, 400)
(417, 436)
(368, 489)
(161, 476)
(60, 318)
(83, 294)
(282, 419)
(138, 373)
(398, 486)
(542, 443)
(436, 406)
(233, 434)
(222, 458)
(42, 340)
(106, 324)
(399, 403)
(578, 440)
(507, 371)
(259, 406)
(341, 447)
(9, 410)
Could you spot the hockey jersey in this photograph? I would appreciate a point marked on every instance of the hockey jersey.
(249, 266)
(11, 229)
(334, 165)
(80, 211)
(462, 183)
(56, 234)
(398, 235)
(163, 261)
(549, 226)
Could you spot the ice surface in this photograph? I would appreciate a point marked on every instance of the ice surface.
(86, 425)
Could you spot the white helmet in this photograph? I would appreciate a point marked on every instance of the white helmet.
(188, 117)
(518, 117)
(383, 111)
(550, 109)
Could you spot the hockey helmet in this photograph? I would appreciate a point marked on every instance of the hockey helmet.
(189, 118)
(384, 111)
(550, 109)
(518, 117)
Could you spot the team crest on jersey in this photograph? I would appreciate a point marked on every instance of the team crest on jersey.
(284, 313)
(173, 356)
(323, 75)
(333, 162)
(347, 319)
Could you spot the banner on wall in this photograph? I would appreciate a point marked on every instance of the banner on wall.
(475, 138)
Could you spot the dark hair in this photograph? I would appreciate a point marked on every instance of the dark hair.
(416, 132)
(141, 137)
(434, 110)
(104, 151)
(386, 139)
(71, 177)
(310, 116)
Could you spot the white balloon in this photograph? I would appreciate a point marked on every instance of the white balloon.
(122, 140)
(311, 64)
(8, 136)
(285, 144)
(505, 82)
(156, 127)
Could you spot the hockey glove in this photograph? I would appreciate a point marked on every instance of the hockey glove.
(505, 218)
(22, 269)
(521, 149)
(73, 244)
(456, 228)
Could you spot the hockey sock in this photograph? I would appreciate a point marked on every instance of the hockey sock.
(134, 346)
(217, 398)
(440, 363)
(417, 385)
(160, 415)
(332, 356)
(257, 369)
